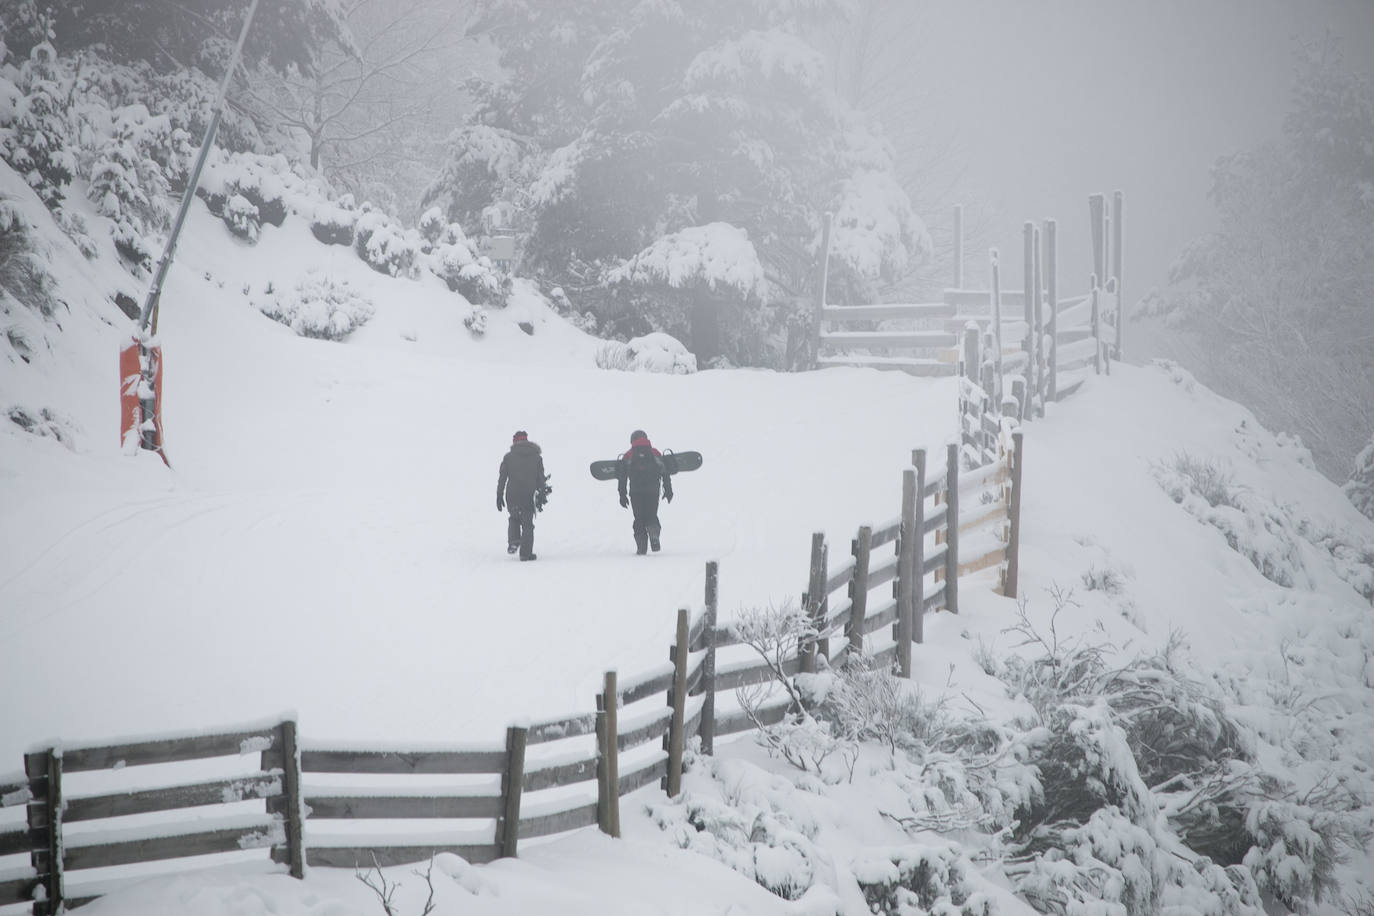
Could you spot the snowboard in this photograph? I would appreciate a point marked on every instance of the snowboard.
(673, 462)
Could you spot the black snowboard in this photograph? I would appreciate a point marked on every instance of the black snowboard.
(674, 462)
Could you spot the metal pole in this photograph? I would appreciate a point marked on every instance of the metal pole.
(147, 316)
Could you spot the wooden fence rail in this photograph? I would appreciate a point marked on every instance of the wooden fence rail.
(872, 603)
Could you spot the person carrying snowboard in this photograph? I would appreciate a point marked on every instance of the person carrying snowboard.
(640, 474)
(518, 485)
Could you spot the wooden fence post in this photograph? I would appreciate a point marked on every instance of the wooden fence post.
(608, 751)
(820, 294)
(958, 246)
(1028, 343)
(1037, 331)
(677, 699)
(1116, 268)
(1096, 327)
(1014, 540)
(858, 590)
(952, 530)
(512, 787)
(291, 798)
(996, 394)
(918, 550)
(815, 602)
(1052, 300)
(905, 571)
(707, 729)
(973, 359)
(1096, 217)
(43, 770)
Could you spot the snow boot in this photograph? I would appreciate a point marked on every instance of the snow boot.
(533, 556)
(512, 548)
(654, 545)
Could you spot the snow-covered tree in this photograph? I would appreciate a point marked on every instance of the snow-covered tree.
(1279, 295)
(1360, 487)
(629, 132)
(33, 129)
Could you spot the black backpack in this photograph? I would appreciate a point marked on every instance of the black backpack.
(645, 469)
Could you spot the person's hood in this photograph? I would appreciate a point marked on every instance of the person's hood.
(641, 441)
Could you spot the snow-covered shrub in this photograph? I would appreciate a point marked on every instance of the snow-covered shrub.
(332, 224)
(33, 131)
(73, 224)
(1359, 489)
(128, 184)
(656, 352)
(383, 245)
(476, 321)
(242, 218)
(1351, 556)
(319, 307)
(919, 879)
(44, 423)
(1297, 848)
(473, 277)
(1253, 526)
(24, 277)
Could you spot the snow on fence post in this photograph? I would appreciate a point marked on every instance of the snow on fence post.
(918, 549)
(1096, 325)
(996, 394)
(1028, 315)
(1116, 267)
(291, 798)
(1014, 540)
(815, 603)
(905, 572)
(821, 293)
(677, 699)
(973, 359)
(44, 772)
(608, 763)
(952, 529)
(958, 246)
(512, 787)
(862, 549)
(1052, 302)
(1037, 332)
(707, 729)
(1096, 218)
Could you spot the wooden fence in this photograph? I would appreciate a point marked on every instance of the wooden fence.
(1022, 350)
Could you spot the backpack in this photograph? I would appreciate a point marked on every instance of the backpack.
(645, 469)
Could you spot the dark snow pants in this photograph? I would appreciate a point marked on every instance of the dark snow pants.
(645, 507)
(520, 528)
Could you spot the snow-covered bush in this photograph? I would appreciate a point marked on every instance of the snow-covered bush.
(44, 423)
(383, 245)
(242, 218)
(319, 307)
(472, 277)
(476, 321)
(919, 879)
(656, 352)
(1254, 527)
(332, 223)
(1359, 489)
(24, 277)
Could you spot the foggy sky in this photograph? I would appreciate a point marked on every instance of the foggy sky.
(1046, 102)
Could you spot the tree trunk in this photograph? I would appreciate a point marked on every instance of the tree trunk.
(705, 321)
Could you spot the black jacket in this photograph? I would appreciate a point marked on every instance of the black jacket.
(522, 473)
(641, 470)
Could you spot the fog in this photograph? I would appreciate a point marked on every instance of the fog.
(1043, 103)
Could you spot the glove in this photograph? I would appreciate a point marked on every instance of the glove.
(624, 501)
(500, 504)
(668, 495)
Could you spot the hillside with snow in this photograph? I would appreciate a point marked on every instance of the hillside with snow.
(324, 541)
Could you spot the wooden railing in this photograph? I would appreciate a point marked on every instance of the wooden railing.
(307, 804)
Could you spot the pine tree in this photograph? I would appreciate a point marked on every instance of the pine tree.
(680, 118)
(34, 143)
(1360, 487)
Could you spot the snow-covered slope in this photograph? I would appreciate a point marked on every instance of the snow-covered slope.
(326, 541)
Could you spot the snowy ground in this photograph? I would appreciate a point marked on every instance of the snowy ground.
(326, 541)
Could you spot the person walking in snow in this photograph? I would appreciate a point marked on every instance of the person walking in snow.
(518, 485)
(641, 473)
